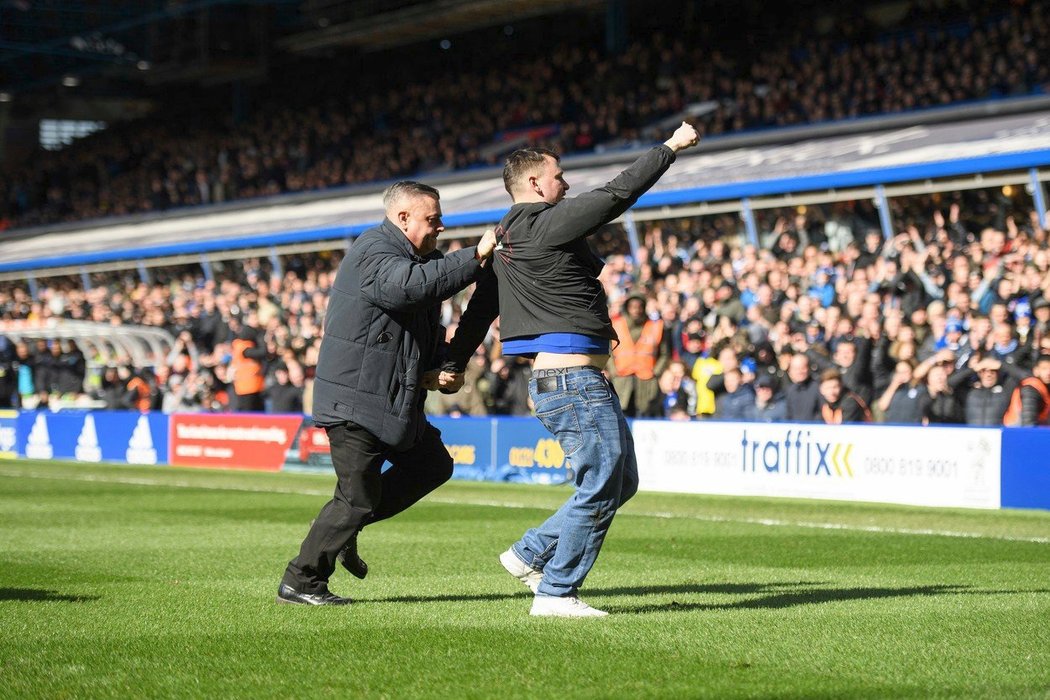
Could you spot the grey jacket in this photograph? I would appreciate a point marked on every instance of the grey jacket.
(382, 332)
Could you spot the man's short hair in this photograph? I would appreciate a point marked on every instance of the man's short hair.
(1042, 358)
(407, 188)
(524, 162)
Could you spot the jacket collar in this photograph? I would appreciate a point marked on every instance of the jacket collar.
(398, 237)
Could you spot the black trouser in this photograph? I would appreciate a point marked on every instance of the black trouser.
(248, 402)
(364, 496)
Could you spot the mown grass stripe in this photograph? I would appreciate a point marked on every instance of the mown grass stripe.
(766, 522)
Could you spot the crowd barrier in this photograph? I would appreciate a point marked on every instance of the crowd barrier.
(925, 466)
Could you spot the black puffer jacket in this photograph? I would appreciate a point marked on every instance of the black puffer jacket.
(987, 405)
(381, 333)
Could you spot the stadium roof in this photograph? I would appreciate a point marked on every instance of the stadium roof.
(716, 173)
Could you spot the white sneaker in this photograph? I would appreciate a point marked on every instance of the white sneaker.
(568, 606)
(520, 570)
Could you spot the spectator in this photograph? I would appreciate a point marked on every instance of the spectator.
(1030, 402)
(111, 389)
(282, 395)
(737, 402)
(802, 401)
(510, 386)
(839, 404)
(8, 374)
(946, 402)
(140, 390)
(987, 402)
(639, 358)
(24, 367)
(678, 391)
(71, 369)
(182, 394)
(852, 359)
(246, 365)
(706, 368)
(905, 399)
(770, 405)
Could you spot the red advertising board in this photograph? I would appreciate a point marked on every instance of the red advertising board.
(232, 441)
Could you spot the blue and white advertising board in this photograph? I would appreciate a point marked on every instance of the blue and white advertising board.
(928, 466)
(98, 436)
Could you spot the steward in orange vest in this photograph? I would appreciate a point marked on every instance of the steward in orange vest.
(1030, 402)
(639, 358)
(139, 391)
(249, 376)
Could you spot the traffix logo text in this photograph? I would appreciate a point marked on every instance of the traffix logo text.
(797, 453)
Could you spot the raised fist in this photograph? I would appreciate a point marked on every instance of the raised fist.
(684, 137)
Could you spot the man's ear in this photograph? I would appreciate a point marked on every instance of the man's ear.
(402, 218)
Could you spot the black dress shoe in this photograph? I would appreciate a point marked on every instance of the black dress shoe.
(351, 562)
(287, 594)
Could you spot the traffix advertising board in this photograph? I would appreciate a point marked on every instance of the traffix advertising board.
(929, 466)
(232, 441)
(100, 436)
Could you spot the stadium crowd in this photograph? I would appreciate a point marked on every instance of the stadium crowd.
(570, 97)
(947, 322)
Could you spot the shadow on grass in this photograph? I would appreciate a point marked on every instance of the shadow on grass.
(40, 594)
(676, 589)
(763, 596)
(778, 599)
(444, 598)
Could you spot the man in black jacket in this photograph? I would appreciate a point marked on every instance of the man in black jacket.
(986, 403)
(553, 308)
(379, 356)
(803, 393)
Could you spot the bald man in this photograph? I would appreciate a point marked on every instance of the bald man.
(381, 350)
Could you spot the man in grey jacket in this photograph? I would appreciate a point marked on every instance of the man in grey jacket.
(553, 308)
(382, 347)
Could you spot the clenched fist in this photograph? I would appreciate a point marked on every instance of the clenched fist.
(450, 382)
(684, 137)
(487, 244)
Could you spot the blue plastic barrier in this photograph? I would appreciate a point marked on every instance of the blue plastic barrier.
(1026, 468)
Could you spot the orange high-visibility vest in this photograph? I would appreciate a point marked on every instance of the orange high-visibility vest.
(1013, 412)
(141, 388)
(637, 357)
(248, 375)
(833, 416)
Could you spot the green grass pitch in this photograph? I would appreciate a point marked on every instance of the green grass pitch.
(158, 582)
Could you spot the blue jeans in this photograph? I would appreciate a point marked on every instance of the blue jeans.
(580, 409)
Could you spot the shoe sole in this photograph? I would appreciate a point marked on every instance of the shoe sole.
(566, 617)
(524, 578)
(358, 574)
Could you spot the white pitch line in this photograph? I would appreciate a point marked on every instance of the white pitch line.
(767, 522)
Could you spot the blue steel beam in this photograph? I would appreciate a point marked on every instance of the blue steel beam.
(712, 193)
